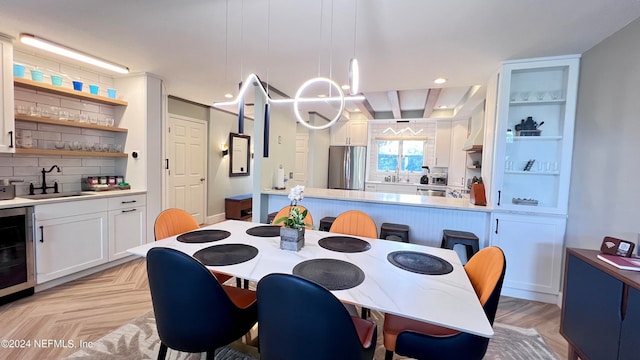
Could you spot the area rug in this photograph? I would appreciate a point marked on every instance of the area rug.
(139, 340)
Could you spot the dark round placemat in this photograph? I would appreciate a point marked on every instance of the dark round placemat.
(265, 231)
(420, 263)
(227, 254)
(346, 244)
(330, 273)
(203, 236)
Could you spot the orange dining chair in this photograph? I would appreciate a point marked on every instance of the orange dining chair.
(176, 221)
(358, 223)
(284, 212)
(355, 222)
(420, 340)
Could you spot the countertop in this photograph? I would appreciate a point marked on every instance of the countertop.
(386, 198)
(86, 195)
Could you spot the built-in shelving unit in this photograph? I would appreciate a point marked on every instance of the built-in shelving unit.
(69, 153)
(35, 85)
(41, 120)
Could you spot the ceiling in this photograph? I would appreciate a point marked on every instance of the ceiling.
(204, 48)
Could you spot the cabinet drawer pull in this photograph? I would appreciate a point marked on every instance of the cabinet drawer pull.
(497, 221)
(499, 197)
(11, 139)
(41, 234)
(127, 202)
(126, 211)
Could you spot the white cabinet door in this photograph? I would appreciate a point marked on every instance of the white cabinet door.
(127, 229)
(457, 156)
(533, 248)
(351, 132)
(358, 132)
(7, 121)
(533, 166)
(69, 244)
(340, 133)
(443, 143)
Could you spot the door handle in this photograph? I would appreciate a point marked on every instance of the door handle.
(11, 139)
(202, 179)
(41, 234)
(497, 222)
(499, 197)
(126, 211)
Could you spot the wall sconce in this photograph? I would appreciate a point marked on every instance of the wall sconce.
(225, 149)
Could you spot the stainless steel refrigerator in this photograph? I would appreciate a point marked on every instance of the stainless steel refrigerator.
(346, 167)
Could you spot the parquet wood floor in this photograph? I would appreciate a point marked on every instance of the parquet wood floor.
(86, 309)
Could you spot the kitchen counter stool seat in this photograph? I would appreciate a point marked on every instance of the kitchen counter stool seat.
(468, 239)
(394, 232)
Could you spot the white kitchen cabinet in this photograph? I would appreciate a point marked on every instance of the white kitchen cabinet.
(7, 123)
(350, 132)
(127, 224)
(533, 247)
(457, 156)
(443, 143)
(544, 90)
(69, 237)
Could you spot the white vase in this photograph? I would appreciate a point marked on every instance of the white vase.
(291, 239)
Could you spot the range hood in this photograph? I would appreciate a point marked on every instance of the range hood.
(475, 140)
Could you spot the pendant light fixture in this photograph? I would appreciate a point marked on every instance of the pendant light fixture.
(340, 97)
(68, 52)
(354, 69)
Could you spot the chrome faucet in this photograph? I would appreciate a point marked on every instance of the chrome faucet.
(44, 186)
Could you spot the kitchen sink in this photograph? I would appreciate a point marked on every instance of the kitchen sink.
(53, 195)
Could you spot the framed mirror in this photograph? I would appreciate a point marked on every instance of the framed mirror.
(240, 156)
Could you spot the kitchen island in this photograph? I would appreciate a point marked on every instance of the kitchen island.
(426, 216)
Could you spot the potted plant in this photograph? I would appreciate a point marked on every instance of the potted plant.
(292, 233)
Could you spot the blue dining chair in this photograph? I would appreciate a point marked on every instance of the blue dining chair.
(301, 320)
(194, 312)
(420, 340)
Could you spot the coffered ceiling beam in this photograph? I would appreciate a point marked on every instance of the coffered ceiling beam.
(430, 102)
(366, 109)
(394, 99)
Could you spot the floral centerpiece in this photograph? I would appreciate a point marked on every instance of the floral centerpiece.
(292, 233)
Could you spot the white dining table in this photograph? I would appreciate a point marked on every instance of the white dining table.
(447, 300)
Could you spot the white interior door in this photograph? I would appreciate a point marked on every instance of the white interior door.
(187, 165)
(302, 155)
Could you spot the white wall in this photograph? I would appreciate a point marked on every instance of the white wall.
(220, 185)
(604, 191)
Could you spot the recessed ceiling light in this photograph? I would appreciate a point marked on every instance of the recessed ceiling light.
(228, 95)
(356, 110)
(440, 80)
(442, 107)
(346, 87)
(322, 95)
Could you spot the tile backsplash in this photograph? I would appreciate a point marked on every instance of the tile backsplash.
(28, 169)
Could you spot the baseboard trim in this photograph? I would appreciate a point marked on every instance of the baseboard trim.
(213, 219)
(83, 273)
(531, 295)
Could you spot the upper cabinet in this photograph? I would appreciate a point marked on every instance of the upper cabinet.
(457, 156)
(7, 125)
(443, 143)
(534, 134)
(350, 132)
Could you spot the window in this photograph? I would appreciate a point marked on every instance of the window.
(404, 155)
